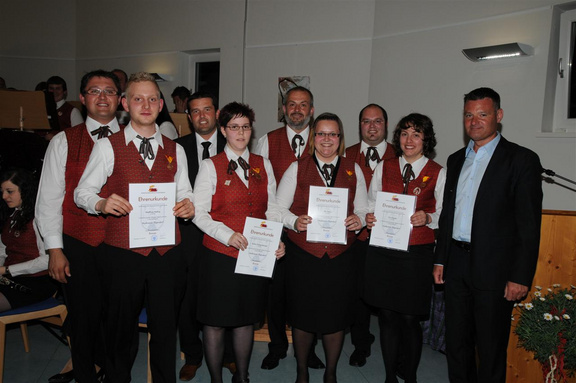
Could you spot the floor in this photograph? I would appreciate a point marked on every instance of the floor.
(48, 355)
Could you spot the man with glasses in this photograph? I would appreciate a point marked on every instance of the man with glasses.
(71, 235)
(133, 277)
(206, 141)
(288, 143)
(373, 148)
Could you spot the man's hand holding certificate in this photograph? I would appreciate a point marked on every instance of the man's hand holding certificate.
(259, 257)
(392, 228)
(328, 208)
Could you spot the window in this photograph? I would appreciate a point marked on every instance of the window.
(565, 100)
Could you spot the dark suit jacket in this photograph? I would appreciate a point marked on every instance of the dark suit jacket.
(506, 220)
(188, 142)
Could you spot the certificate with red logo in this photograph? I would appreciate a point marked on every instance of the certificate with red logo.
(392, 228)
(328, 208)
(259, 257)
(152, 222)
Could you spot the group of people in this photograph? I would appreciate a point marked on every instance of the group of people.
(486, 205)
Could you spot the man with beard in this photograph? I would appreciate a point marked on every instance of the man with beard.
(289, 144)
(206, 141)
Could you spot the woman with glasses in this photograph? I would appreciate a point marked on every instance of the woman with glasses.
(24, 262)
(321, 276)
(399, 283)
(231, 186)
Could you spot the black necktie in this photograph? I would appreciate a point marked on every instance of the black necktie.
(372, 155)
(205, 152)
(244, 165)
(327, 170)
(297, 141)
(103, 131)
(407, 176)
(146, 148)
(232, 166)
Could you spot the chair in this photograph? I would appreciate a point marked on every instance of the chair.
(51, 311)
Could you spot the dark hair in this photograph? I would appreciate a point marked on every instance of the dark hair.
(121, 71)
(57, 80)
(164, 114)
(482, 93)
(235, 110)
(181, 92)
(422, 124)
(28, 187)
(327, 117)
(373, 106)
(98, 73)
(299, 89)
(202, 94)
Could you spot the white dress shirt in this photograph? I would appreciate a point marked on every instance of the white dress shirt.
(29, 267)
(53, 185)
(417, 166)
(101, 164)
(262, 148)
(287, 189)
(212, 149)
(75, 115)
(205, 187)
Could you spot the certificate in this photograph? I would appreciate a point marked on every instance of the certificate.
(328, 208)
(259, 257)
(152, 222)
(393, 228)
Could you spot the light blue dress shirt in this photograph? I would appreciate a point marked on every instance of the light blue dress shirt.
(471, 175)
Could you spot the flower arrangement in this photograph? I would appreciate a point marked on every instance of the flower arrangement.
(546, 327)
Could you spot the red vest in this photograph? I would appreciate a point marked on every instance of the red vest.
(308, 176)
(20, 245)
(233, 202)
(128, 169)
(392, 182)
(280, 152)
(64, 113)
(355, 154)
(78, 224)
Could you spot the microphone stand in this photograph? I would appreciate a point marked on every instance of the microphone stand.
(550, 180)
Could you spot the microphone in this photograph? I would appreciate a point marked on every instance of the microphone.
(549, 180)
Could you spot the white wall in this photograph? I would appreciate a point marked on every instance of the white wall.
(404, 55)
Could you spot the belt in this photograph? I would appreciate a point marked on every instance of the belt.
(466, 246)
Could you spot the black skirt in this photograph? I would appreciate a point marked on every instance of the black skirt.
(227, 299)
(321, 292)
(41, 288)
(399, 281)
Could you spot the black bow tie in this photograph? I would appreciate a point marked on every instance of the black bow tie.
(103, 131)
(328, 171)
(232, 166)
(407, 176)
(297, 141)
(372, 155)
(146, 148)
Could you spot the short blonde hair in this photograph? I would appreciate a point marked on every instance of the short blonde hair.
(141, 77)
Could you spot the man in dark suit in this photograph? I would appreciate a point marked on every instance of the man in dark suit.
(206, 141)
(488, 241)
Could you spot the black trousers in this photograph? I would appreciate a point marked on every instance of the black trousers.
(132, 281)
(276, 310)
(476, 320)
(188, 326)
(83, 297)
(360, 328)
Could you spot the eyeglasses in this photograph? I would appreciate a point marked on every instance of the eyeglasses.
(236, 128)
(377, 121)
(329, 135)
(98, 91)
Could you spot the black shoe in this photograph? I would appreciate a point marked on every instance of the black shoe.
(238, 380)
(315, 362)
(62, 378)
(271, 361)
(358, 357)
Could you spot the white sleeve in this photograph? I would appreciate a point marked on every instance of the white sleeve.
(51, 190)
(99, 168)
(270, 215)
(34, 265)
(262, 146)
(183, 186)
(168, 129)
(285, 197)
(76, 117)
(439, 196)
(204, 189)
(375, 186)
(361, 197)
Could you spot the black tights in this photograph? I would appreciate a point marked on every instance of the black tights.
(242, 340)
(332, 344)
(401, 341)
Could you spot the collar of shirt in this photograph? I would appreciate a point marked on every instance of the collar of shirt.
(233, 156)
(130, 135)
(380, 148)
(487, 149)
(92, 124)
(417, 165)
(60, 103)
(291, 133)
